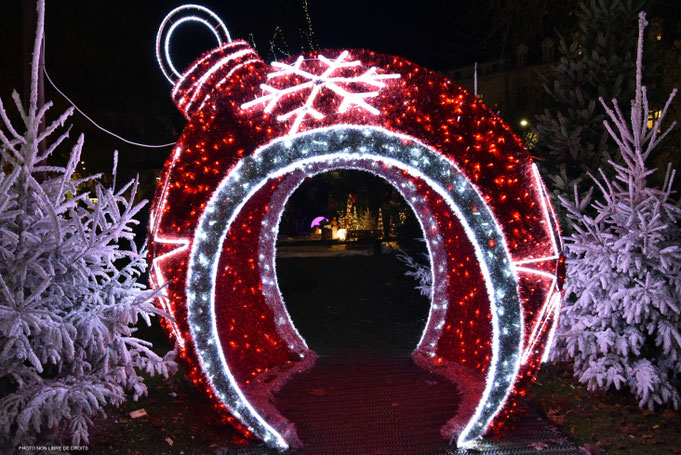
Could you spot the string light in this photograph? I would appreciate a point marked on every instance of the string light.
(311, 42)
(257, 131)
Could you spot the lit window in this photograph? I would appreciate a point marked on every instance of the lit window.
(653, 116)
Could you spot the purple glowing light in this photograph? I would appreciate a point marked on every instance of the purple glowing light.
(318, 221)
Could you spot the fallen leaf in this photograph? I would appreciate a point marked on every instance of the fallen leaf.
(581, 412)
(138, 413)
(555, 417)
(559, 441)
(170, 442)
(608, 407)
(591, 449)
(628, 429)
(655, 427)
(669, 414)
(539, 446)
(317, 392)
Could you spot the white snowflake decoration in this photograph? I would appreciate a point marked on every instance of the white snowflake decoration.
(332, 78)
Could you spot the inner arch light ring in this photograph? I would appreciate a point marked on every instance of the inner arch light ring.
(270, 223)
(281, 157)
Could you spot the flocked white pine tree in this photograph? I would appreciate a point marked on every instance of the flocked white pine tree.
(621, 319)
(69, 296)
(420, 272)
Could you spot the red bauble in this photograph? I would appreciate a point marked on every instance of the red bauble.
(256, 131)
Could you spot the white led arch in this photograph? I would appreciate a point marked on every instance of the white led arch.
(343, 147)
(272, 219)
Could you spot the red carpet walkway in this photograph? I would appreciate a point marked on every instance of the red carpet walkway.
(386, 406)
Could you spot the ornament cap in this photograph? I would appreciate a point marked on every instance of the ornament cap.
(192, 90)
(210, 72)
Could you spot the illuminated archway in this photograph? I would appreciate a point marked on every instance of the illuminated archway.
(256, 132)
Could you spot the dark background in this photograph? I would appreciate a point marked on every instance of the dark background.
(101, 54)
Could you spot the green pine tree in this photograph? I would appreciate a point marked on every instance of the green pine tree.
(595, 61)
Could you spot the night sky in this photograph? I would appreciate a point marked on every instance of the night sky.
(107, 48)
(101, 54)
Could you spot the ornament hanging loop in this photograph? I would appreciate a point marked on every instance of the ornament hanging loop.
(177, 17)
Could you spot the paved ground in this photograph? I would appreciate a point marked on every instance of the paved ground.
(356, 305)
(365, 396)
(376, 406)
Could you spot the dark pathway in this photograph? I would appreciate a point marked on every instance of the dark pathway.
(364, 395)
(375, 407)
(357, 306)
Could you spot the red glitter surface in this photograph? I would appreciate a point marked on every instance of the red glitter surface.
(421, 104)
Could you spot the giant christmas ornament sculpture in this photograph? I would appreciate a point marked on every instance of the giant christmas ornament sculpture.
(256, 131)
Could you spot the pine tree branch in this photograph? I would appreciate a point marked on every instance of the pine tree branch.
(20, 108)
(55, 124)
(8, 124)
(35, 63)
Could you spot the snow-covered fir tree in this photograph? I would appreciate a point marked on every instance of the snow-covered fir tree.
(621, 322)
(420, 271)
(571, 139)
(69, 295)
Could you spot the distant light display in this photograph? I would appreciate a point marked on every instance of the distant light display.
(318, 221)
(256, 131)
